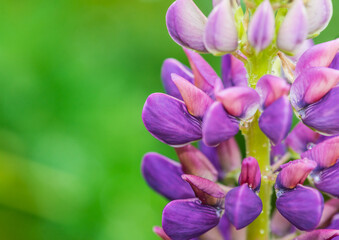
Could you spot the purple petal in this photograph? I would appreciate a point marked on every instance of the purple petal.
(320, 55)
(168, 120)
(225, 157)
(186, 219)
(173, 66)
(212, 154)
(331, 207)
(270, 88)
(325, 154)
(335, 63)
(301, 138)
(277, 151)
(242, 206)
(196, 101)
(233, 72)
(214, 234)
(164, 176)
(186, 24)
(319, 234)
(293, 30)
(311, 85)
(221, 34)
(294, 173)
(323, 115)
(334, 224)
(276, 120)
(240, 102)
(250, 173)
(194, 162)
(218, 125)
(225, 227)
(280, 226)
(205, 77)
(301, 206)
(327, 180)
(207, 191)
(261, 28)
(304, 46)
(319, 13)
(229, 155)
(160, 232)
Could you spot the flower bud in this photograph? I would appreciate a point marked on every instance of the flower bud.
(221, 34)
(261, 28)
(250, 173)
(293, 30)
(319, 14)
(186, 24)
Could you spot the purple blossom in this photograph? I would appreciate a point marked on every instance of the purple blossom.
(212, 190)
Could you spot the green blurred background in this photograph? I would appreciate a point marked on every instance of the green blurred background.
(73, 79)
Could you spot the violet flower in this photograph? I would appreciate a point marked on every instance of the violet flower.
(213, 191)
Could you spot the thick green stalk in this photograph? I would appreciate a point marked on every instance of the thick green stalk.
(258, 146)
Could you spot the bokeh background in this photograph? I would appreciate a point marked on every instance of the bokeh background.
(74, 76)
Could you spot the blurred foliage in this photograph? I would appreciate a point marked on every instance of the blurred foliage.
(73, 77)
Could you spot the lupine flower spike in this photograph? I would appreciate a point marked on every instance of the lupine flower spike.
(270, 69)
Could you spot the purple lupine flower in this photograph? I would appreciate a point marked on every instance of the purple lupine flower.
(276, 119)
(314, 92)
(201, 106)
(326, 175)
(300, 205)
(242, 204)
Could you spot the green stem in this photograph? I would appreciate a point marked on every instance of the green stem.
(258, 146)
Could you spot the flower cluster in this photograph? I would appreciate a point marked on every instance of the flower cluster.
(214, 193)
